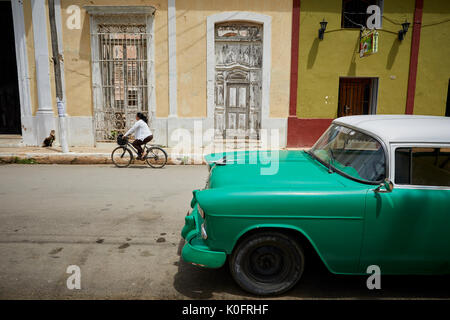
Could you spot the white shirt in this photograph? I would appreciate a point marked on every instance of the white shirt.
(141, 128)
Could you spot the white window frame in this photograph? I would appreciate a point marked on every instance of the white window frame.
(148, 12)
(395, 146)
(253, 17)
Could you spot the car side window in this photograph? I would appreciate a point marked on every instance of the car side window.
(422, 166)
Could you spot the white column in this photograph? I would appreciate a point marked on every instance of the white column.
(28, 134)
(45, 121)
(172, 34)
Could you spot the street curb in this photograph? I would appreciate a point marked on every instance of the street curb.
(85, 158)
(95, 158)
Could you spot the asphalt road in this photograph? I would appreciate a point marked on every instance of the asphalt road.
(122, 228)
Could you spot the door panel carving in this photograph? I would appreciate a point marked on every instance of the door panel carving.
(238, 55)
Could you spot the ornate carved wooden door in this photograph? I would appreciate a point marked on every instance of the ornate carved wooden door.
(238, 50)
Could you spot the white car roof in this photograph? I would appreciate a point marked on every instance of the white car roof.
(402, 128)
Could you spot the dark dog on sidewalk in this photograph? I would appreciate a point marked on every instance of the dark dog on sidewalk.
(49, 140)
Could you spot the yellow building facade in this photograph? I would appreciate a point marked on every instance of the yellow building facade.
(333, 77)
(120, 57)
(433, 69)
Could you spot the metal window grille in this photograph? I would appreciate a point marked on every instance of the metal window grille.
(122, 62)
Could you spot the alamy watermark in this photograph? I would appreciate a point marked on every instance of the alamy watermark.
(190, 147)
(74, 280)
(73, 21)
(374, 280)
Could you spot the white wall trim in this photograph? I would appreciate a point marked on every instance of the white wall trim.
(266, 21)
(23, 76)
(172, 39)
(150, 27)
(95, 70)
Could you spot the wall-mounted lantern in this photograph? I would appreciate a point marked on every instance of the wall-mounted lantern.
(323, 27)
(401, 33)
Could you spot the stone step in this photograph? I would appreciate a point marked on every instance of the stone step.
(231, 141)
(11, 140)
(238, 144)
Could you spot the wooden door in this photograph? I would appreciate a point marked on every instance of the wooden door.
(237, 110)
(354, 96)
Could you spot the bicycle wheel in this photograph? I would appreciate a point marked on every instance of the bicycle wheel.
(121, 157)
(156, 157)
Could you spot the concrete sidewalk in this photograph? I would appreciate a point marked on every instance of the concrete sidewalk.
(93, 155)
(54, 155)
(77, 155)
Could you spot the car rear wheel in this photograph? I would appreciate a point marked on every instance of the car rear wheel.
(267, 263)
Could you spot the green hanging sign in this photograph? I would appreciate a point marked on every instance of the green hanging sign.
(368, 43)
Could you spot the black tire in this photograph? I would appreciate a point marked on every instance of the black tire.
(121, 157)
(267, 263)
(156, 157)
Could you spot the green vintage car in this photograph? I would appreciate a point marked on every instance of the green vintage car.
(373, 190)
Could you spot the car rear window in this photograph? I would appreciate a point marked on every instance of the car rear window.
(422, 166)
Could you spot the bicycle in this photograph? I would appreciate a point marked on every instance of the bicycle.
(122, 156)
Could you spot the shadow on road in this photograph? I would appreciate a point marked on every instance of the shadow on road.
(200, 283)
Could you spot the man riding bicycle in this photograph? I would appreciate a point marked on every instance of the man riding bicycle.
(142, 134)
